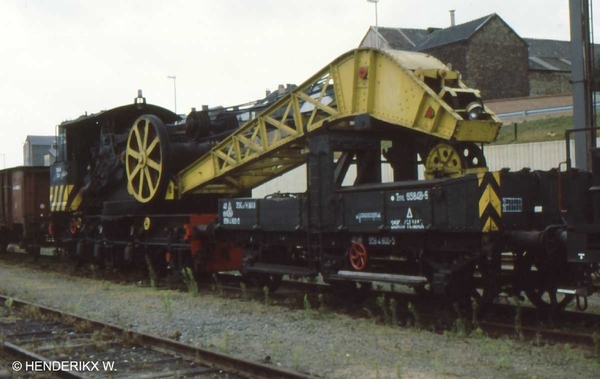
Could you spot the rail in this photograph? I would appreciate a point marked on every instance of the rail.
(206, 357)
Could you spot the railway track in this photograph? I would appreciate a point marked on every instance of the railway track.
(575, 328)
(41, 340)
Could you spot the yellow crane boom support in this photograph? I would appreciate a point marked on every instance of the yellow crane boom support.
(404, 89)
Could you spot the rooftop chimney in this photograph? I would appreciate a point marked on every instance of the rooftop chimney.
(452, 19)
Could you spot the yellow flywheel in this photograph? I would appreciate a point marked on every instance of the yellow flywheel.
(444, 161)
(147, 158)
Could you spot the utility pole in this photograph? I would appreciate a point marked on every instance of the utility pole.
(581, 73)
(174, 90)
(376, 23)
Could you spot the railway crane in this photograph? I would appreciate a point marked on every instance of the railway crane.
(179, 191)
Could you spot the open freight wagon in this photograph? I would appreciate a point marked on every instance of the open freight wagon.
(24, 207)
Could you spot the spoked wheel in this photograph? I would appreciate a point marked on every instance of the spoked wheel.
(147, 159)
(548, 299)
(538, 283)
(443, 160)
(358, 256)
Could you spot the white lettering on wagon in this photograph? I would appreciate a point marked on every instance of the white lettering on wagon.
(410, 196)
(368, 216)
(408, 224)
(245, 205)
(382, 241)
(228, 218)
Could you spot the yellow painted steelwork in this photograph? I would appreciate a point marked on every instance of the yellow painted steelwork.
(390, 86)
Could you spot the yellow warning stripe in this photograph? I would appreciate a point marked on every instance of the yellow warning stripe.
(59, 197)
(77, 200)
(490, 206)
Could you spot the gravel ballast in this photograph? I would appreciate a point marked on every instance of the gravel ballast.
(323, 344)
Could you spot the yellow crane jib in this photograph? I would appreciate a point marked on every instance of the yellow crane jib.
(404, 89)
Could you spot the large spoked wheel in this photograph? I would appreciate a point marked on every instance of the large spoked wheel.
(147, 159)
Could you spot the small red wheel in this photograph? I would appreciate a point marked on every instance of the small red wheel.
(73, 226)
(358, 256)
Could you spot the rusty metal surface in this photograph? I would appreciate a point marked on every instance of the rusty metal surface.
(24, 195)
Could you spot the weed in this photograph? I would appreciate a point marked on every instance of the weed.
(321, 300)
(105, 286)
(413, 310)
(347, 359)
(166, 297)
(331, 354)
(94, 270)
(296, 358)
(538, 339)
(369, 313)
(78, 305)
(307, 306)
(32, 312)
(275, 345)
(376, 369)
(190, 282)
(503, 363)
(224, 348)
(151, 273)
(459, 324)
(203, 334)
(9, 304)
(68, 320)
(518, 318)
(570, 355)
(394, 311)
(176, 335)
(266, 291)
(84, 326)
(381, 303)
(100, 339)
(130, 339)
(475, 310)
(217, 284)
(244, 292)
(596, 340)
(478, 333)
(398, 370)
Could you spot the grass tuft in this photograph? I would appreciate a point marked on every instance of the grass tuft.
(190, 282)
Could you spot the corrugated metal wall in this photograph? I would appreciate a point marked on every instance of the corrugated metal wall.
(536, 156)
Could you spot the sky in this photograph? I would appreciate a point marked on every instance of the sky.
(62, 58)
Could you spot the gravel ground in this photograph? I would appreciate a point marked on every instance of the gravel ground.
(323, 344)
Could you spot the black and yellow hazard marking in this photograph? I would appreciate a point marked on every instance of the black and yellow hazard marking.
(59, 197)
(490, 206)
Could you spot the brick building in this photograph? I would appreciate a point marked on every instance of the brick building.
(489, 54)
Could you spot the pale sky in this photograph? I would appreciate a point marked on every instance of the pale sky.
(61, 58)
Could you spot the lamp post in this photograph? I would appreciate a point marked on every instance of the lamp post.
(174, 90)
(376, 23)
